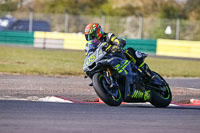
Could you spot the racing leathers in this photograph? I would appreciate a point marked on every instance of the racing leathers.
(122, 60)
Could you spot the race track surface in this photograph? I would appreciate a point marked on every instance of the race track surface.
(191, 83)
(76, 87)
(42, 117)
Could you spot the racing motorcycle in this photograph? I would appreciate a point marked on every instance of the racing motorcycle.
(112, 88)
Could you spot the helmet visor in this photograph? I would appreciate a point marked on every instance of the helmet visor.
(90, 36)
(87, 37)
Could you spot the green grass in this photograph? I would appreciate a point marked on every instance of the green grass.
(175, 67)
(38, 61)
(30, 61)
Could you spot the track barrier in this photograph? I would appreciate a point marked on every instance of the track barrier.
(58, 40)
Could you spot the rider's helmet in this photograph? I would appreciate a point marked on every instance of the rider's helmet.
(93, 31)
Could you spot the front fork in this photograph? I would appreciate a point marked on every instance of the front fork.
(109, 79)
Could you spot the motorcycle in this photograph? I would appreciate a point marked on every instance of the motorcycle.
(113, 89)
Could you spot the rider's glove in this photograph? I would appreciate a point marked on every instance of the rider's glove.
(115, 48)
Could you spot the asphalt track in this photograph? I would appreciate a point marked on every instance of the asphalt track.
(192, 83)
(45, 117)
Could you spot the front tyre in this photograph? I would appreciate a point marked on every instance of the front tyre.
(100, 87)
(161, 98)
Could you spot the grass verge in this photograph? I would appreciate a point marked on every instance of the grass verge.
(30, 61)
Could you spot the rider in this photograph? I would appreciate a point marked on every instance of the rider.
(94, 35)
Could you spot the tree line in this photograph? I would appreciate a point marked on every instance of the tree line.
(188, 9)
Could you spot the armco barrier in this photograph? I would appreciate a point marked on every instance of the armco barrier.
(9, 37)
(59, 40)
(178, 48)
(163, 47)
(148, 46)
(74, 41)
(77, 42)
(49, 40)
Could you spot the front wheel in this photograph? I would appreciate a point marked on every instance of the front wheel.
(102, 89)
(161, 98)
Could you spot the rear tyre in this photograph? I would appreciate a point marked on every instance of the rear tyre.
(161, 98)
(100, 89)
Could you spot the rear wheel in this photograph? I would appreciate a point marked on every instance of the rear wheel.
(161, 97)
(112, 97)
